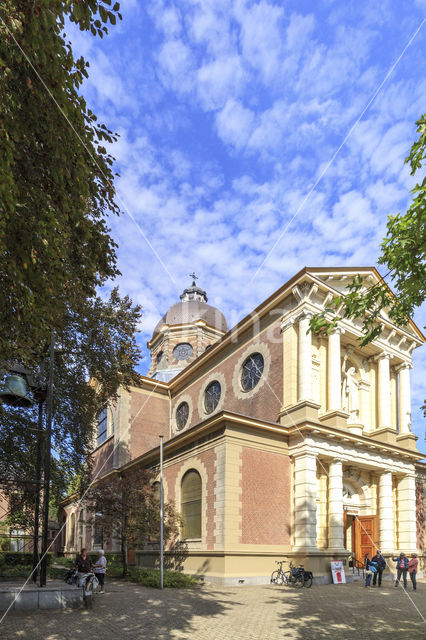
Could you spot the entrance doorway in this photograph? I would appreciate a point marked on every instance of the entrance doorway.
(361, 535)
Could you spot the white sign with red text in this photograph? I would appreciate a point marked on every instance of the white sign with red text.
(338, 572)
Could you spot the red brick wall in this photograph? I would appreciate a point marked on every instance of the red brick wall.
(149, 418)
(208, 459)
(103, 458)
(4, 507)
(265, 404)
(265, 497)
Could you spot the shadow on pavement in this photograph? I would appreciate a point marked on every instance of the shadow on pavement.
(126, 610)
(351, 611)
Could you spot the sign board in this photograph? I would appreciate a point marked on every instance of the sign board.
(338, 572)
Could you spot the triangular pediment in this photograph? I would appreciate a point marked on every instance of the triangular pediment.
(340, 277)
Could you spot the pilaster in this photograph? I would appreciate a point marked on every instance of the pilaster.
(335, 506)
(334, 373)
(305, 507)
(304, 383)
(407, 529)
(386, 532)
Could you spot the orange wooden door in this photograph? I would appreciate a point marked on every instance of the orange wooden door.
(366, 536)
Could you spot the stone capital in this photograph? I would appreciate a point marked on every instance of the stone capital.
(404, 365)
(337, 330)
(288, 322)
(383, 355)
(305, 314)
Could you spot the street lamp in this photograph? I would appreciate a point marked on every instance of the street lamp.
(18, 385)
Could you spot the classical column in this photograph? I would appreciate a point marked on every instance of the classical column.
(335, 506)
(404, 398)
(383, 394)
(386, 512)
(334, 373)
(305, 358)
(305, 496)
(407, 526)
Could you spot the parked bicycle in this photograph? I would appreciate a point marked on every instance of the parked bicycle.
(87, 581)
(296, 576)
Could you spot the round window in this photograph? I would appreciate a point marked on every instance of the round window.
(182, 413)
(251, 371)
(182, 351)
(212, 396)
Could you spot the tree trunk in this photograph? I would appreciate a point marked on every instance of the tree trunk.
(124, 555)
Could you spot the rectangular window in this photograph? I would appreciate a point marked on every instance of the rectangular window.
(17, 540)
(102, 426)
(98, 537)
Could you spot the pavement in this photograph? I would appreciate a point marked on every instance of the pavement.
(128, 611)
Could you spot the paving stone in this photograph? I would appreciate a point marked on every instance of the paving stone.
(130, 612)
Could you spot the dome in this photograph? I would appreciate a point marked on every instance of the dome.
(193, 307)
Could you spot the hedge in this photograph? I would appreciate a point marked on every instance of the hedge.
(21, 558)
(151, 578)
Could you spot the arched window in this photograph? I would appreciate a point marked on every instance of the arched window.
(191, 504)
(72, 530)
(251, 371)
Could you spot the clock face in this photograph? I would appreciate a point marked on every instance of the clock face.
(182, 351)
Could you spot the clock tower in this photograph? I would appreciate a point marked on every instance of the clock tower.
(187, 329)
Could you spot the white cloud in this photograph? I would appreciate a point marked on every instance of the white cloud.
(235, 123)
(261, 36)
(219, 80)
(175, 65)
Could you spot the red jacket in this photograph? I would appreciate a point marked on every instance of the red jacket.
(413, 564)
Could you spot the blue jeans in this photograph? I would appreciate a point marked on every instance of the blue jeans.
(414, 579)
(368, 580)
(403, 573)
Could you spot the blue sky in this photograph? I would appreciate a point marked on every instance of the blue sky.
(229, 112)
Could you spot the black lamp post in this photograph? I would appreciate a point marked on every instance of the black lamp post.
(49, 413)
(16, 393)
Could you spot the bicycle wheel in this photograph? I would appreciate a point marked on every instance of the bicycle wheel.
(88, 594)
(274, 577)
(307, 582)
(299, 582)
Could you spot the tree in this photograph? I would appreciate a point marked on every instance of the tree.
(127, 509)
(56, 191)
(56, 176)
(403, 254)
(97, 342)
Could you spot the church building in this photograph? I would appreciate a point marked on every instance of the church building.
(277, 442)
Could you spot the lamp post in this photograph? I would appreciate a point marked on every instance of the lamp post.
(18, 385)
(161, 516)
(47, 456)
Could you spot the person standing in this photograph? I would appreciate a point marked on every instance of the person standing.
(401, 568)
(99, 569)
(412, 569)
(380, 563)
(83, 562)
(368, 569)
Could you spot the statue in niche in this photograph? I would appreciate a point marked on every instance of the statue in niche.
(350, 393)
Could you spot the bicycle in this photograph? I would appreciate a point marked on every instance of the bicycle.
(87, 581)
(279, 576)
(296, 576)
(300, 577)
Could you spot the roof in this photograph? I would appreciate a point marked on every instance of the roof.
(189, 311)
